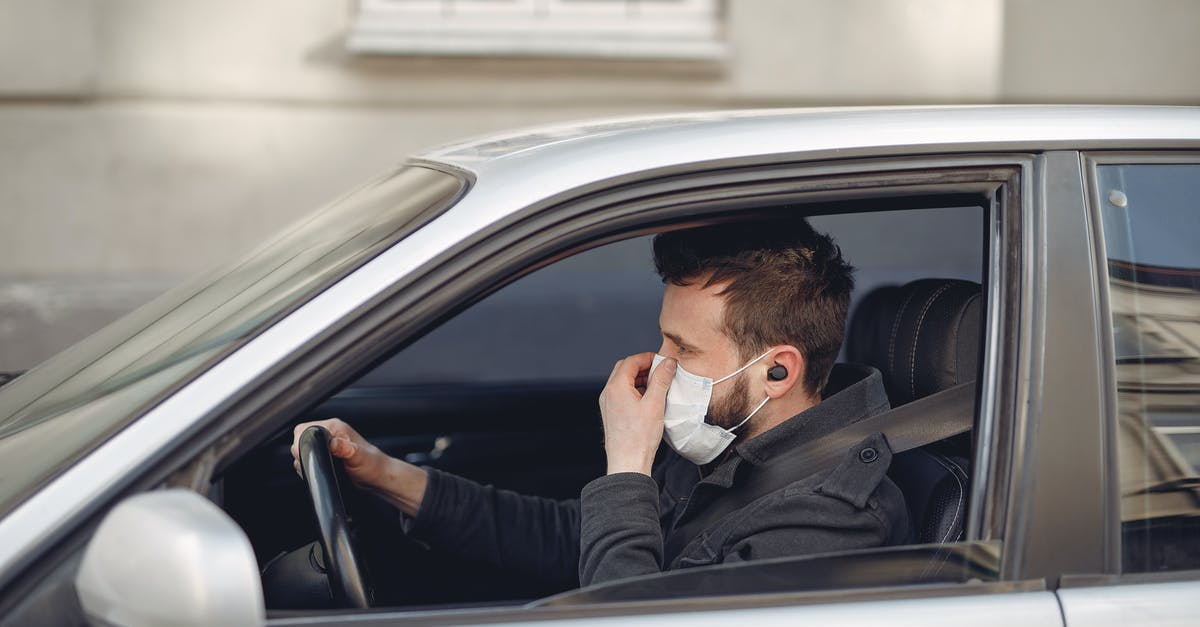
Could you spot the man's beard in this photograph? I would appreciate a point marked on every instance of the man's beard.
(732, 408)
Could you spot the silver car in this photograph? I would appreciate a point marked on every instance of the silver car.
(463, 311)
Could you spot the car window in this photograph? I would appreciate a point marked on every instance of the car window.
(568, 321)
(601, 305)
(504, 393)
(1151, 228)
(59, 410)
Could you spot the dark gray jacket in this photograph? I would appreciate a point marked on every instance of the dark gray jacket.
(618, 526)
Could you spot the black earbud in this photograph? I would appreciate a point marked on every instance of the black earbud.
(777, 373)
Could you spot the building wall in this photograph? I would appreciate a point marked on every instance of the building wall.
(142, 141)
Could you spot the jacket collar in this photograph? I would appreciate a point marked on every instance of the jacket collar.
(854, 392)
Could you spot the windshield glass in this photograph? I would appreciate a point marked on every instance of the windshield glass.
(53, 414)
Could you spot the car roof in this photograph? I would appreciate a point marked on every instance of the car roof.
(515, 170)
(612, 147)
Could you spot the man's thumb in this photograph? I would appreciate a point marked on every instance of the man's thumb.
(660, 381)
(342, 448)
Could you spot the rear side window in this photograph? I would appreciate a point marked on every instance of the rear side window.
(1151, 221)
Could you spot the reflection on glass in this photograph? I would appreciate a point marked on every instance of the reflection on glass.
(1151, 228)
(57, 412)
(1182, 431)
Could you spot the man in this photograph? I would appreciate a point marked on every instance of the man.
(752, 320)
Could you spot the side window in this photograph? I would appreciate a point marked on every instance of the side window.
(1151, 230)
(571, 320)
(504, 393)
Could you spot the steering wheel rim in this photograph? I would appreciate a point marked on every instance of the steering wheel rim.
(346, 580)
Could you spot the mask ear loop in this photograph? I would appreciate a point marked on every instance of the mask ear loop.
(748, 364)
(747, 418)
(739, 371)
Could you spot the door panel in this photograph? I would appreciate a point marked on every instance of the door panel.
(996, 609)
(1159, 604)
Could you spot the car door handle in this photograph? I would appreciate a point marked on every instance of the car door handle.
(440, 444)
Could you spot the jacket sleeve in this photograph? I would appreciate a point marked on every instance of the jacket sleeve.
(515, 532)
(620, 531)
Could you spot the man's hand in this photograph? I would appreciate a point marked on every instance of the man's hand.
(633, 419)
(365, 464)
(368, 467)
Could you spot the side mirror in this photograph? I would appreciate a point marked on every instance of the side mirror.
(169, 557)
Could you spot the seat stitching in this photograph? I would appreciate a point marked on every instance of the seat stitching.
(960, 476)
(954, 340)
(959, 499)
(912, 363)
(962, 315)
(955, 465)
(896, 332)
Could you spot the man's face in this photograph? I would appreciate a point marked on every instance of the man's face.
(691, 322)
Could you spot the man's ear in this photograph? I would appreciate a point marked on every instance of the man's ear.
(793, 362)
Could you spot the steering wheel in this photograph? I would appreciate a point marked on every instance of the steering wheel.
(346, 579)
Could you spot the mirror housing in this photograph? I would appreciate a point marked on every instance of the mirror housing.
(169, 557)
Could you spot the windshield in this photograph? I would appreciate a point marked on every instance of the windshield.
(53, 414)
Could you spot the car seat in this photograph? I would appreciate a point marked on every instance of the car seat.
(924, 338)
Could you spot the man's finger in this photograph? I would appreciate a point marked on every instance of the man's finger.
(660, 381)
(342, 447)
(628, 369)
(643, 361)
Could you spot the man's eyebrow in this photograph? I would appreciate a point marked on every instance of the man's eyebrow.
(676, 339)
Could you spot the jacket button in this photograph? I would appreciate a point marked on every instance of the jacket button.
(868, 455)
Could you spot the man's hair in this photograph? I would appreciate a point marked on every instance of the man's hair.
(785, 284)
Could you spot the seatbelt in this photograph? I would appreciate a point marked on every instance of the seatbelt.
(912, 425)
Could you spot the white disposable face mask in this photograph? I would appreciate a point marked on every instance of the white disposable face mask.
(687, 405)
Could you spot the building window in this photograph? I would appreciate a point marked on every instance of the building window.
(617, 29)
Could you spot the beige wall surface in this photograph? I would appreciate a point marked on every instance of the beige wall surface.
(143, 141)
(1143, 51)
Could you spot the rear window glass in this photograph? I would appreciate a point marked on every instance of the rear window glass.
(1151, 226)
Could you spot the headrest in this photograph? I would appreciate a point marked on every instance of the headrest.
(923, 336)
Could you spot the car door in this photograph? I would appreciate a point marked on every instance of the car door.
(936, 582)
(1146, 225)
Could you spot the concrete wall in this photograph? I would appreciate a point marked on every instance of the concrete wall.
(142, 141)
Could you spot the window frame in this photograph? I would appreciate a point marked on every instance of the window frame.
(525, 243)
(679, 30)
(925, 169)
(1090, 162)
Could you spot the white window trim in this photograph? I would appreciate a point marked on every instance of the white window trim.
(634, 29)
